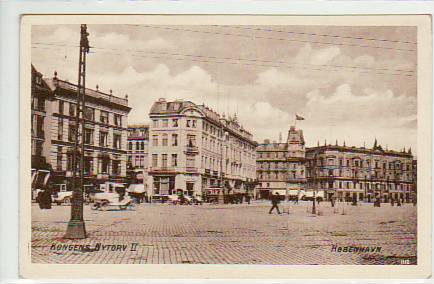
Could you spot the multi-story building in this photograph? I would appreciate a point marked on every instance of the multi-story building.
(138, 140)
(105, 134)
(193, 148)
(364, 174)
(272, 168)
(281, 166)
(137, 155)
(40, 96)
(296, 161)
(340, 172)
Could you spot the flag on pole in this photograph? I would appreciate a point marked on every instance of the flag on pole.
(297, 117)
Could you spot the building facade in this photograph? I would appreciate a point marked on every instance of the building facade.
(193, 148)
(333, 171)
(364, 174)
(138, 143)
(105, 134)
(40, 99)
(281, 167)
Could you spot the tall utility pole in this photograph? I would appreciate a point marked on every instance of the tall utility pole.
(76, 227)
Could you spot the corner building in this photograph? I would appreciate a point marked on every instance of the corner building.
(281, 166)
(193, 148)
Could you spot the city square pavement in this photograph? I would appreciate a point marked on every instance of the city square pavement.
(230, 234)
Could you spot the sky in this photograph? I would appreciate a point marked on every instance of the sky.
(352, 84)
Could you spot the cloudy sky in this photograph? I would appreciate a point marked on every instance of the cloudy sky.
(349, 83)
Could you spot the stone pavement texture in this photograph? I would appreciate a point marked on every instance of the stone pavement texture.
(229, 234)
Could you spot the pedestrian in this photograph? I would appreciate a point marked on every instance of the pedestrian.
(40, 200)
(296, 199)
(332, 201)
(46, 199)
(275, 200)
(392, 201)
(248, 198)
(399, 202)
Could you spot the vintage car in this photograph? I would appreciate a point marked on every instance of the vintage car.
(62, 197)
(176, 199)
(112, 200)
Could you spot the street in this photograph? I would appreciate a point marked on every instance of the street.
(230, 234)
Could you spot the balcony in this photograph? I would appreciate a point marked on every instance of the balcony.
(191, 150)
(162, 170)
(191, 170)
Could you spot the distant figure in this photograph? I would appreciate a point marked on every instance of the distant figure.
(354, 201)
(332, 201)
(248, 197)
(275, 200)
(399, 202)
(44, 198)
(318, 200)
(377, 202)
(296, 199)
(392, 201)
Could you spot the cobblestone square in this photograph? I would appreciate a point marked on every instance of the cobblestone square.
(229, 234)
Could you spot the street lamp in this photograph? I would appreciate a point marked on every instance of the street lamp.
(76, 228)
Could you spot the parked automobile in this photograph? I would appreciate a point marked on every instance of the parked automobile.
(173, 199)
(137, 191)
(108, 200)
(176, 199)
(62, 197)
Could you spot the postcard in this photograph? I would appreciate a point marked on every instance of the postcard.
(211, 146)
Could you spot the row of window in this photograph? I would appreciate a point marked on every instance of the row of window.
(165, 139)
(138, 161)
(104, 165)
(164, 162)
(364, 186)
(277, 165)
(164, 123)
(139, 146)
(278, 155)
(89, 113)
(281, 175)
(89, 134)
(396, 165)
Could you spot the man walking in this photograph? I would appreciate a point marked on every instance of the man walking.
(275, 200)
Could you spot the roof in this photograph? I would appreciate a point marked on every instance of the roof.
(361, 150)
(162, 107)
(55, 83)
(272, 147)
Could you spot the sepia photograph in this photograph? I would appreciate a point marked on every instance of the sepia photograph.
(224, 143)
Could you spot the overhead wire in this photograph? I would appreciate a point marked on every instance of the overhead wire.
(176, 28)
(239, 61)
